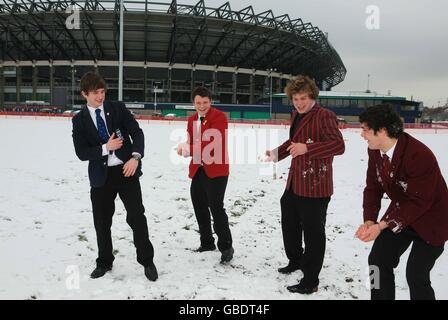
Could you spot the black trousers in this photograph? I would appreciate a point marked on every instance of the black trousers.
(385, 256)
(103, 204)
(207, 195)
(307, 216)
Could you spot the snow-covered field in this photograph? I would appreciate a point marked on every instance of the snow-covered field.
(47, 238)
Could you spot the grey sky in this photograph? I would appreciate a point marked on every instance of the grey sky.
(407, 55)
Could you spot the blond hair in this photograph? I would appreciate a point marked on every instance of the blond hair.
(302, 84)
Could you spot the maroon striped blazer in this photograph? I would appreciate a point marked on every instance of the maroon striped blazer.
(311, 174)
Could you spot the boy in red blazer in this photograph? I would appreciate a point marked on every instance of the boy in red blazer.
(209, 171)
(314, 139)
(407, 171)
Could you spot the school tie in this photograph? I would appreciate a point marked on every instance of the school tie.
(101, 126)
(201, 119)
(386, 166)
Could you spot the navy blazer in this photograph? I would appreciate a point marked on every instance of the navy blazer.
(88, 144)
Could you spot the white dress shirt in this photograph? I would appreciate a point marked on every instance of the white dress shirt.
(390, 153)
(198, 122)
(112, 159)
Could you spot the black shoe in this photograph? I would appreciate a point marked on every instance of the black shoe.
(151, 272)
(302, 288)
(99, 272)
(227, 255)
(206, 248)
(291, 267)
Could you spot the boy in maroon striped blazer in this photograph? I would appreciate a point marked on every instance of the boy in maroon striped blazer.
(407, 171)
(314, 139)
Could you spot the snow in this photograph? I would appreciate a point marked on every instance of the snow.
(48, 243)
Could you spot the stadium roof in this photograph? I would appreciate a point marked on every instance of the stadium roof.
(171, 33)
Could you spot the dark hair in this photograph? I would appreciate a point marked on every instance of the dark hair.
(382, 116)
(202, 92)
(92, 81)
(302, 84)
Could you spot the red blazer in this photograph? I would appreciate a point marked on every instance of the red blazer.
(415, 185)
(209, 148)
(311, 174)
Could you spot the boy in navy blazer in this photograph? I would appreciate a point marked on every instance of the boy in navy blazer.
(102, 134)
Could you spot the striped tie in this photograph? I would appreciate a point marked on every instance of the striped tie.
(101, 126)
(386, 170)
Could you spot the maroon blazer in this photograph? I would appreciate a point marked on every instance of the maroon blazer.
(206, 149)
(415, 185)
(311, 174)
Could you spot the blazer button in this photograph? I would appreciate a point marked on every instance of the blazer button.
(104, 163)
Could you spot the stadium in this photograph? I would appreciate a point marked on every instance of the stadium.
(169, 48)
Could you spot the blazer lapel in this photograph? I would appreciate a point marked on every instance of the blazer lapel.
(194, 128)
(293, 118)
(398, 154)
(306, 119)
(109, 116)
(206, 123)
(89, 125)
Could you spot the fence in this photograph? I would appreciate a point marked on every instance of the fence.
(438, 127)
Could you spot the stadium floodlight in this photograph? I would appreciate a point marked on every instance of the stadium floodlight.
(155, 97)
(270, 70)
(156, 89)
(120, 66)
(73, 71)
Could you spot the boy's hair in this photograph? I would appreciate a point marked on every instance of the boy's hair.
(202, 92)
(92, 81)
(302, 84)
(382, 116)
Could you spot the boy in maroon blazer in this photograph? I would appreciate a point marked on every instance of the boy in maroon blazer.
(314, 139)
(407, 171)
(209, 171)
